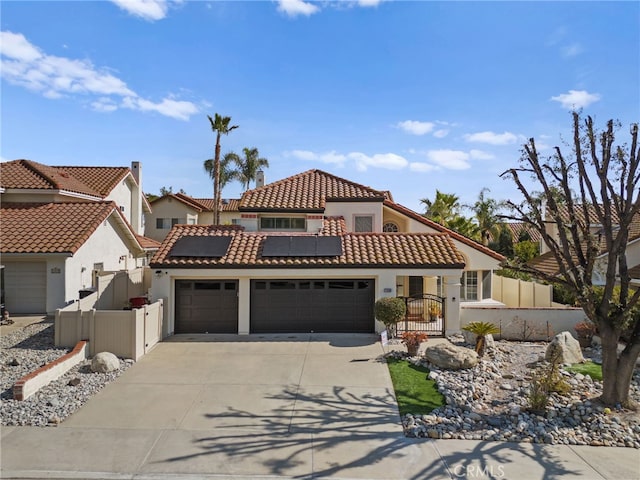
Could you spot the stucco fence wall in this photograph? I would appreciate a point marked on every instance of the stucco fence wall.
(525, 324)
(116, 288)
(125, 333)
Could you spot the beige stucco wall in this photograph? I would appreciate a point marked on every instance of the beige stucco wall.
(167, 208)
(392, 216)
(349, 210)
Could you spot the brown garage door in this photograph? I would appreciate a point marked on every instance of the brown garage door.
(206, 306)
(312, 305)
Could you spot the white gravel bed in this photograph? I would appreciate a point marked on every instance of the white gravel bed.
(490, 402)
(26, 350)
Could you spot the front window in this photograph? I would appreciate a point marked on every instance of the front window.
(469, 286)
(283, 223)
(166, 223)
(363, 223)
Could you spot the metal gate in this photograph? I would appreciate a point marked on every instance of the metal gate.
(425, 313)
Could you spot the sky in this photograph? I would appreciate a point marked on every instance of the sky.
(406, 96)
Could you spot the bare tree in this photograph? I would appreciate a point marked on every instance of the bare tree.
(589, 235)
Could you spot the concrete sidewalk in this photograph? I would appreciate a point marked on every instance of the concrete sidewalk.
(269, 406)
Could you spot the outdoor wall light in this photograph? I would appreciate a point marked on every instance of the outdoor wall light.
(158, 273)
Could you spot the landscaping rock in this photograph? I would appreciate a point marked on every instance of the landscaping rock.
(451, 357)
(105, 362)
(564, 349)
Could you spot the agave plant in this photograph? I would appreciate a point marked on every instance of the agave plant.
(481, 330)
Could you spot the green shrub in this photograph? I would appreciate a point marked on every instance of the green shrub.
(390, 310)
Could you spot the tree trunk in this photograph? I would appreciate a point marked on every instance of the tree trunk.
(216, 183)
(617, 371)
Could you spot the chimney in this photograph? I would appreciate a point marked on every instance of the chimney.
(259, 179)
(135, 170)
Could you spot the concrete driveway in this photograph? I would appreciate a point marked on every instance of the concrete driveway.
(292, 383)
(289, 406)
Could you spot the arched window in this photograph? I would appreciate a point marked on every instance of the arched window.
(390, 227)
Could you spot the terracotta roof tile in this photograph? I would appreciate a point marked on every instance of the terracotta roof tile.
(202, 204)
(148, 243)
(93, 181)
(333, 226)
(50, 227)
(518, 228)
(307, 191)
(407, 250)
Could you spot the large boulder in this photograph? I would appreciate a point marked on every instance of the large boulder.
(104, 362)
(564, 349)
(451, 357)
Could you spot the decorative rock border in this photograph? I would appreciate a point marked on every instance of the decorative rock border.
(31, 383)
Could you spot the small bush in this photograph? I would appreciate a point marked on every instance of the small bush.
(390, 310)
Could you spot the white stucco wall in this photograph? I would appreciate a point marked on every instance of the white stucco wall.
(349, 210)
(122, 195)
(163, 286)
(106, 245)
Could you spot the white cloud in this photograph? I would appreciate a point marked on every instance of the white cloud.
(293, 8)
(443, 132)
(369, 3)
(147, 9)
(327, 157)
(572, 50)
(480, 155)
(492, 138)
(450, 159)
(302, 155)
(415, 127)
(576, 99)
(25, 65)
(389, 161)
(421, 167)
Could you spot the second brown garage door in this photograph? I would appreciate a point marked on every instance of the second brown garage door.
(312, 306)
(206, 306)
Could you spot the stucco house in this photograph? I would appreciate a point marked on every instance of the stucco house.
(313, 252)
(177, 208)
(63, 225)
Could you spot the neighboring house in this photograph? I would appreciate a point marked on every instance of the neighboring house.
(177, 209)
(63, 225)
(313, 252)
(547, 263)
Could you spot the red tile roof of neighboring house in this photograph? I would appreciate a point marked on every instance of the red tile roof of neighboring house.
(519, 228)
(201, 204)
(406, 250)
(93, 181)
(307, 191)
(50, 227)
(436, 226)
(148, 243)
(333, 226)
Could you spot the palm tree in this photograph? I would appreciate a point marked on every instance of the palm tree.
(486, 217)
(444, 209)
(220, 125)
(227, 173)
(249, 166)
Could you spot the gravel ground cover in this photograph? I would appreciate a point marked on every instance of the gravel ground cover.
(490, 402)
(24, 351)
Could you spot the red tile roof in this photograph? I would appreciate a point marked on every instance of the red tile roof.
(333, 226)
(518, 228)
(50, 227)
(148, 243)
(436, 226)
(307, 191)
(94, 181)
(406, 250)
(201, 204)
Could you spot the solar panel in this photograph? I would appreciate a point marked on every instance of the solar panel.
(302, 246)
(276, 247)
(212, 247)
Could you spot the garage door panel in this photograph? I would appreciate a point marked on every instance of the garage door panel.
(312, 305)
(207, 306)
(25, 287)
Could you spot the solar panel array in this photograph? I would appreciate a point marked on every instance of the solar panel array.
(199, 246)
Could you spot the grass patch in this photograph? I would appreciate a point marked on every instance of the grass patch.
(588, 368)
(415, 392)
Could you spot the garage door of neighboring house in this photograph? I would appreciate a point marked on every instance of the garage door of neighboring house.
(206, 306)
(25, 287)
(312, 306)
